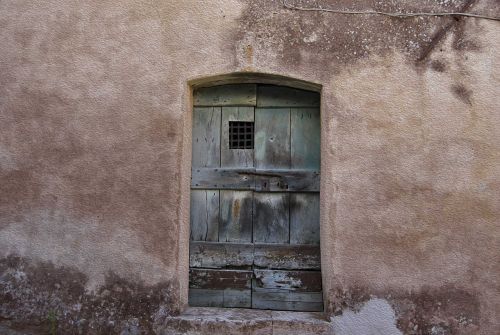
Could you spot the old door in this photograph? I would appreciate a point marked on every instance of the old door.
(255, 198)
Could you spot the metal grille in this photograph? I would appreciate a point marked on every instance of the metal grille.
(240, 135)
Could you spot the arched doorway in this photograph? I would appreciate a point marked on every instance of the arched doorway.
(254, 219)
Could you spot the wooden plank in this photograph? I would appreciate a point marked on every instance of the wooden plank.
(305, 138)
(220, 298)
(204, 217)
(206, 137)
(242, 158)
(205, 298)
(282, 96)
(226, 95)
(304, 218)
(286, 256)
(299, 281)
(238, 298)
(272, 138)
(259, 180)
(216, 178)
(271, 218)
(219, 279)
(287, 301)
(235, 223)
(220, 255)
(287, 180)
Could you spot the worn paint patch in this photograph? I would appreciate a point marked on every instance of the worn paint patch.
(30, 292)
(375, 317)
(444, 310)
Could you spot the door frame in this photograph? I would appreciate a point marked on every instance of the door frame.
(185, 165)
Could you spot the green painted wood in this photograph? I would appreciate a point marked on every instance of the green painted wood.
(304, 218)
(240, 158)
(205, 298)
(287, 301)
(281, 96)
(226, 95)
(235, 216)
(287, 256)
(268, 200)
(238, 298)
(227, 298)
(206, 137)
(271, 218)
(204, 217)
(299, 281)
(272, 138)
(217, 178)
(220, 279)
(305, 138)
(221, 255)
(287, 180)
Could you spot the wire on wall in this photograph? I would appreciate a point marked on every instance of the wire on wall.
(393, 14)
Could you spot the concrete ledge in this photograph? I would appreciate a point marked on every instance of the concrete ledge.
(222, 321)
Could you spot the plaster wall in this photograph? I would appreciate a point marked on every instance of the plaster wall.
(95, 131)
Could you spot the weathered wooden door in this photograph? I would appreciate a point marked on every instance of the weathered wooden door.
(255, 198)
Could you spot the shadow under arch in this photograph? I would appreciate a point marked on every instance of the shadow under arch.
(253, 78)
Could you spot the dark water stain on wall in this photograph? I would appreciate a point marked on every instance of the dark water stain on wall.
(462, 93)
(344, 39)
(30, 292)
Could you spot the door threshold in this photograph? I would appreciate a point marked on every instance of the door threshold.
(222, 321)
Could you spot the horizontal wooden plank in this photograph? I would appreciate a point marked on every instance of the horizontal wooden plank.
(206, 298)
(287, 180)
(299, 281)
(282, 96)
(238, 298)
(216, 178)
(220, 255)
(226, 95)
(241, 255)
(286, 256)
(219, 279)
(256, 179)
(287, 301)
(220, 298)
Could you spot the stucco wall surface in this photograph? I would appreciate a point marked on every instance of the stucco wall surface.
(95, 131)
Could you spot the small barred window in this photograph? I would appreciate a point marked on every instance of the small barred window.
(241, 135)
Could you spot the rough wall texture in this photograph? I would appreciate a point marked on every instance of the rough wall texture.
(95, 122)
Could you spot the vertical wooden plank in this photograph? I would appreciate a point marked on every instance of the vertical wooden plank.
(304, 218)
(271, 218)
(206, 137)
(242, 158)
(204, 218)
(235, 216)
(305, 138)
(272, 138)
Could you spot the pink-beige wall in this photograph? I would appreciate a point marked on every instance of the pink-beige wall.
(95, 131)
